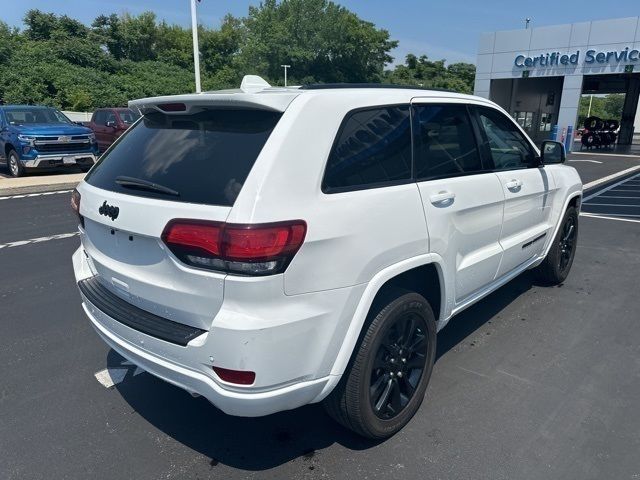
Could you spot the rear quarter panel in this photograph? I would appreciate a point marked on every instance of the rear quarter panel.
(351, 236)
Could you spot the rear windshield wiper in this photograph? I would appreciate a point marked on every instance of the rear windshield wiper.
(131, 182)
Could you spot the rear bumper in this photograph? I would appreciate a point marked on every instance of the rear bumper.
(290, 343)
(244, 404)
(60, 159)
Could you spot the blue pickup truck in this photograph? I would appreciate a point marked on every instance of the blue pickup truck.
(36, 137)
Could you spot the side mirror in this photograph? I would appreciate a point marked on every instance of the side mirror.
(111, 124)
(552, 152)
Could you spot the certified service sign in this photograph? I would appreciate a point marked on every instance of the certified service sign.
(554, 59)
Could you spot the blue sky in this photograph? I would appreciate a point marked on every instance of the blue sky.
(440, 29)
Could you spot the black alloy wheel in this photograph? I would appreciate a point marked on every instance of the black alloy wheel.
(556, 266)
(567, 243)
(385, 382)
(398, 366)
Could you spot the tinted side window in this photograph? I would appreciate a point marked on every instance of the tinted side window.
(373, 148)
(445, 144)
(101, 117)
(508, 146)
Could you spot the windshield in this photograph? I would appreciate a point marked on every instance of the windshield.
(128, 116)
(204, 157)
(26, 116)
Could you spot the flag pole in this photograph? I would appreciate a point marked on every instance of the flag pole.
(196, 49)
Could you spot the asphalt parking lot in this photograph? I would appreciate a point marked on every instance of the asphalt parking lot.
(620, 199)
(532, 382)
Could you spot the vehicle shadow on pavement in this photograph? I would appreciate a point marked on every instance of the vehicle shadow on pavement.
(468, 321)
(244, 443)
(261, 443)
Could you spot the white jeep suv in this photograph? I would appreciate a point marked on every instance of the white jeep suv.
(269, 247)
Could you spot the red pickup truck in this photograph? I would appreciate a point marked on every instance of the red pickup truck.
(109, 123)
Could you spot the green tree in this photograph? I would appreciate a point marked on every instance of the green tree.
(57, 60)
(606, 107)
(219, 48)
(321, 40)
(427, 73)
(40, 25)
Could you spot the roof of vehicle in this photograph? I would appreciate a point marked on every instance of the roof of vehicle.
(117, 109)
(256, 93)
(23, 107)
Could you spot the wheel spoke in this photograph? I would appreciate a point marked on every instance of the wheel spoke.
(376, 389)
(568, 233)
(418, 342)
(396, 399)
(409, 327)
(408, 388)
(416, 361)
(382, 401)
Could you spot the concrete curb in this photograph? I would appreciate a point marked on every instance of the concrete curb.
(6, 192)
(38, 184)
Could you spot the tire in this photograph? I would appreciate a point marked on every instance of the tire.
(381, 350)
(587, 139)
(590, 123)
(557, 264)
(13, 164)
(597, 140)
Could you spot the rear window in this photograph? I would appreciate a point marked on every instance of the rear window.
(128, 116)
(205, 157)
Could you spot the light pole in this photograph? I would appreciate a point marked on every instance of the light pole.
(286, 67)
(526, 22)
(196, 49)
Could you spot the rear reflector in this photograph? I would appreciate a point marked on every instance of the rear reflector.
(254, 249)
(75, 205)
(238, 377)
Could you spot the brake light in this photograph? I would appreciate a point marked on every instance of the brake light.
(75, 206)
(172, 107)
(258, 249)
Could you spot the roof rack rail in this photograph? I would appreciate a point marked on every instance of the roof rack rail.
(327, 86)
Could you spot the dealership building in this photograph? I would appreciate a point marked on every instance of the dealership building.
(540, 74)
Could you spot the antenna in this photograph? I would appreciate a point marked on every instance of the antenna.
(253, 84)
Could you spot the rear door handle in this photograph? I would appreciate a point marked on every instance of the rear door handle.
(513, 184)
(442, 197)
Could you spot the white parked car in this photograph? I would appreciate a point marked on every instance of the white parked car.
(268, 248)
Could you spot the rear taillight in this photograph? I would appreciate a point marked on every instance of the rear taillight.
(75, 206)
(259, 249)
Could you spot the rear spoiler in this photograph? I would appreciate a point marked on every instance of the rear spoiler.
(274, 99)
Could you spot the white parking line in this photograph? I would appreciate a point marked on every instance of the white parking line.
(39, 194)
(607, 217)
(20, 243)
(609, 204)
(608, 178)
(610, 187)
(607, 154)
(584, 160)
(616, 196)
(115, 375)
